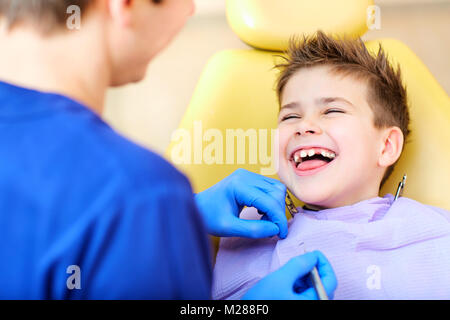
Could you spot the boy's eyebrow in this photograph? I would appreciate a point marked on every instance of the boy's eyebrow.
(327, 100)
(319, 101)
(291, 105)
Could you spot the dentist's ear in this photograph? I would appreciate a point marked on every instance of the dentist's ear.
(391, 148)
(120, 11)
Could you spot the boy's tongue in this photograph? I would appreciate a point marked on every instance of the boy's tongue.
(311, 164)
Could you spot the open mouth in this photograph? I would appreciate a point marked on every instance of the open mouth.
(308, 161)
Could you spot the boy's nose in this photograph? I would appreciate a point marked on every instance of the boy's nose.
(307, 128)
(305, 132)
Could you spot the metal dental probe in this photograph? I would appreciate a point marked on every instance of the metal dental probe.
(290, 205)
(316, 281)
(400, 187)
(314, 274)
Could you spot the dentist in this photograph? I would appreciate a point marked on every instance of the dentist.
(86, 213)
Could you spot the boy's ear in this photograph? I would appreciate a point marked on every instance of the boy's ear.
(392, 146)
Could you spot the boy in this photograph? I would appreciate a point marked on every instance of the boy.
(342, 125)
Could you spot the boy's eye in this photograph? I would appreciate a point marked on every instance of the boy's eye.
(333, 111)
(290, 116)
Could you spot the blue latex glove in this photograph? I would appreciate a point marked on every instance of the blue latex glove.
(221, 205)
(291, 281)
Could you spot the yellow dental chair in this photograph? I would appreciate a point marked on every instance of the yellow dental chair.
(236, 91)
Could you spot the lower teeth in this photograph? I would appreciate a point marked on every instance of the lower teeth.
(297, 164)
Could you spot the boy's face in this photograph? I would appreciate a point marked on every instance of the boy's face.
(328, 115)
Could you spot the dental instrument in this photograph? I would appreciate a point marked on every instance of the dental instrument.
(315, 279)
(290, 205)
(400, 187)
(314, 274)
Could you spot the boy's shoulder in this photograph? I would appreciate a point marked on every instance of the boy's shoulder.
(412, 206)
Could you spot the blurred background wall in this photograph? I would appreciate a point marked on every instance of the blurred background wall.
(148, 112)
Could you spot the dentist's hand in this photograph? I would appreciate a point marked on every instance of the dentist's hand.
(221, 205)
(291, 281)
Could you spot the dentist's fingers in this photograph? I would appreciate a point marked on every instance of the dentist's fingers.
(272, 186)
(275, 183)
(267, 184)
(253, 196)
(252, 228)
(326, 275)
(286, 282)
(300, 266)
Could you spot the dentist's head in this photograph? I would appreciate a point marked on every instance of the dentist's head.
(116, 39)
(138, 30)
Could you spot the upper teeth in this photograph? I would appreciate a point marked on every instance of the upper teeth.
(310, 152)
(328, 154)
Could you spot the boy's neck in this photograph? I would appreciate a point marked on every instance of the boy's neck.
(72, 63)
(356, 198)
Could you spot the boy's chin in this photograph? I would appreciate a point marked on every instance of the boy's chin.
(311, 192)
(314, 200)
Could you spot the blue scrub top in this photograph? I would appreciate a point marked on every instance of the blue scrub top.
(87, 214)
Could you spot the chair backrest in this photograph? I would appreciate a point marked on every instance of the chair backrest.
(230, 121)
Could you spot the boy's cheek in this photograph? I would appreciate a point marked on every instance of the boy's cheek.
(282, 146)
(283, 141)
(288, 177)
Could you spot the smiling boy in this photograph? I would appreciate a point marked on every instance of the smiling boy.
(325, 112)
(343, 122)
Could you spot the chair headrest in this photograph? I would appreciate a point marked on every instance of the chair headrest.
(268, 24)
